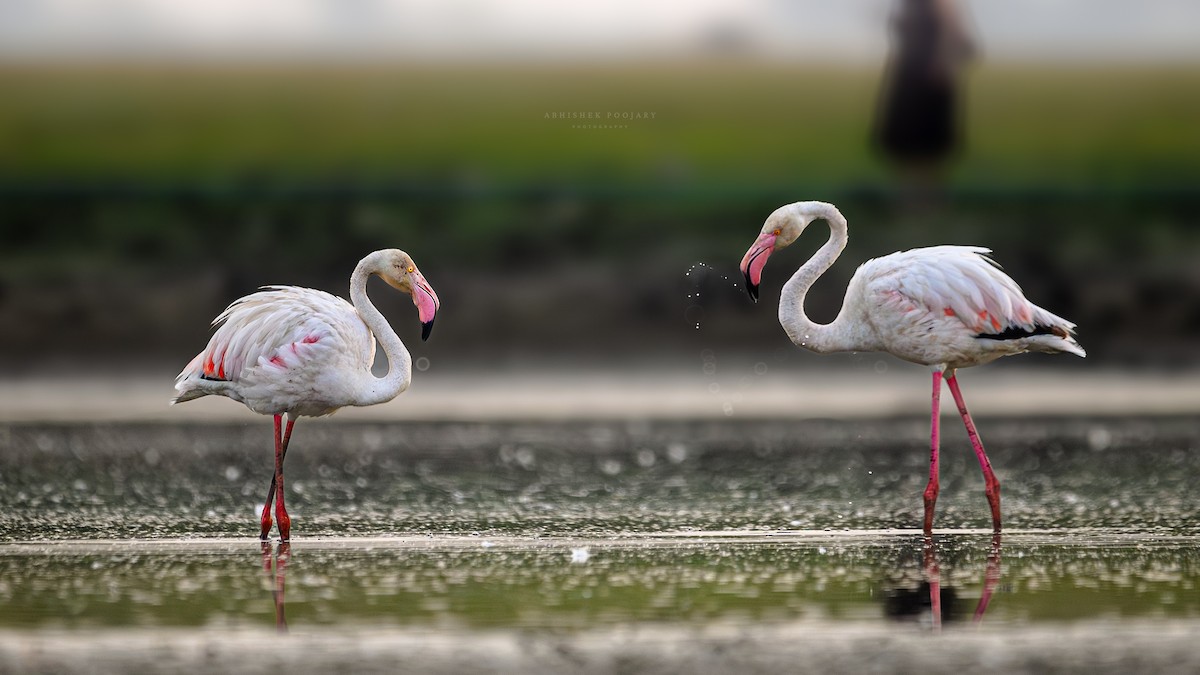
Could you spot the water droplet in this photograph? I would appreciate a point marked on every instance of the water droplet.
(1099, 438)
(727, 408)
(646, 458)
(713, 388)
(232, 473)
(760, 368)
(610, 467)
(422, 363)
(580, 555)
(881, 367)
(525, 458)
(677, 452)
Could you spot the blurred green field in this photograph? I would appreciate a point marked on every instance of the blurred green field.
(714, 123)
(135, 202)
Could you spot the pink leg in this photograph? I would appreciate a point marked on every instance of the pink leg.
(281, 446)
(283, 522)
(266, 512)
(992, 485)
(931, 490)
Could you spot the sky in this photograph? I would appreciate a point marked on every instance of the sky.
(841, 30)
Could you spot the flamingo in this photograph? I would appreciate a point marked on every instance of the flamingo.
(290, 352)
(946, 307)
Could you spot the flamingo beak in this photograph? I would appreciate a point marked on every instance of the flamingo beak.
(754, 261)
(426, 301)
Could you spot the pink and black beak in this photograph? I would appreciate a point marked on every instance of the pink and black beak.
(426, 301)
(754, 261)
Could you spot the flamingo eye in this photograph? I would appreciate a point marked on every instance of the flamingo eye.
(410, 269)
(777, 231)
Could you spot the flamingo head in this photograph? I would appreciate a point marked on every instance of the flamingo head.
(781, 229)
(401, 273)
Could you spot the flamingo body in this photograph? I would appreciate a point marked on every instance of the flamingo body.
(290, 352)
(946, 307)
(284, 350)
(950, 305)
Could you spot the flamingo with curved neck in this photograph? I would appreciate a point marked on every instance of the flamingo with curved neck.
(945, 307)
(288, 352)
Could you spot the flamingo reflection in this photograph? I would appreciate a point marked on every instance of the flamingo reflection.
(942, 602)
(275, 566)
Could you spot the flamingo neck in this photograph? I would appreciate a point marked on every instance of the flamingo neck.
(399, 375)
(803, 331)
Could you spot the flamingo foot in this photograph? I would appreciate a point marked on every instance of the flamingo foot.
(285, 522)
(993, 496)
(931, 495)
(266, 524)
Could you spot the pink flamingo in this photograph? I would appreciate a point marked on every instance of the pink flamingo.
(948, 307)
(288, 351)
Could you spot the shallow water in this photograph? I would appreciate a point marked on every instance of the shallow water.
(600, 547)
(576, 584)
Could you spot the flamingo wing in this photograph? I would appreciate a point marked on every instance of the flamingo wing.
(281, 328)
(965, 283)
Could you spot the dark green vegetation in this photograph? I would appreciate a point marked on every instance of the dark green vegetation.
(136, 202)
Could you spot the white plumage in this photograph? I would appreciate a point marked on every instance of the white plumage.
(947, 307)
(289, 352)
(284, 350)
(953, 305)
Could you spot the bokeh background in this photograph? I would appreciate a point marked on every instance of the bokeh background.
(159, 159)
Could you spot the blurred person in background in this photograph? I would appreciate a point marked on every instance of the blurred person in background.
(917, 125)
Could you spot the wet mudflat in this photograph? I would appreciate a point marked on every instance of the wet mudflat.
(600, 547)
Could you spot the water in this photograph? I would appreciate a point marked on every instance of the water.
(597, 547)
